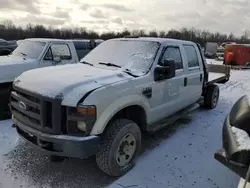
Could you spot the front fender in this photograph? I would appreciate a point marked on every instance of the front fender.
(115, 107)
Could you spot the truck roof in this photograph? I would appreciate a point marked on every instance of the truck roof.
(234, 45)
(155, 39)
(60, 40)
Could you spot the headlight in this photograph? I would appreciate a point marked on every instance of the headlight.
(81, 119)
(81, 125)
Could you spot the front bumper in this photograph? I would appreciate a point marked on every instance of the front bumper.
(59, 145)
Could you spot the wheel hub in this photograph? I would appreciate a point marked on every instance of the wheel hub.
(126, 150)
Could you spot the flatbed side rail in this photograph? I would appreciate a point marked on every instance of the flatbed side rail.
(225, 69)
(219, 74)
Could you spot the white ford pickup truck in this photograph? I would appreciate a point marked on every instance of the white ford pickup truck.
(38, 53)
(101, 105)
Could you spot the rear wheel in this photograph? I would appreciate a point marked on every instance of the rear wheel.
(211, 97)
(119, 148)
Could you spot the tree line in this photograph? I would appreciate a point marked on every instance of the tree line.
(10, 31)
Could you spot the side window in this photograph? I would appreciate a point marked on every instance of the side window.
(81, 48)
(61, 50)
(174, 54)
(191, 56)
(80, 45)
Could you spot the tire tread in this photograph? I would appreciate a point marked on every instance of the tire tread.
(208, 97)
(102, 156)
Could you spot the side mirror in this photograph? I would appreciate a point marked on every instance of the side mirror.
(165, 71)
(57, 60)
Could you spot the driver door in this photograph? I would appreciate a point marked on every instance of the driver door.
(57, 54)
(171, 89)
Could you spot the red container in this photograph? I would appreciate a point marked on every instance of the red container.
(237, 54)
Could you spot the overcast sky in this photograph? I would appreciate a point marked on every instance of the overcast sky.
(109, 15)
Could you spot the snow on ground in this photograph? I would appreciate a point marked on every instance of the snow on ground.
(213, 61)
(242, 138)
(179, 156)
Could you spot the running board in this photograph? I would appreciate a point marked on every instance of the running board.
(171, 119)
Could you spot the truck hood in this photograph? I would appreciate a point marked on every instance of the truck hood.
(68, 82)
(12, 66)
(6, 60)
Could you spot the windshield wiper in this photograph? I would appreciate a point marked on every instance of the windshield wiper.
(130, 73)
(84, 62)
(114, 65)
(110, 64)
(23, 53)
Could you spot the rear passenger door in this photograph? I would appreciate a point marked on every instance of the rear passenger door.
(194, 74)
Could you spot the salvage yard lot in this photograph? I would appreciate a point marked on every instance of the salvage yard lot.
(178, 156)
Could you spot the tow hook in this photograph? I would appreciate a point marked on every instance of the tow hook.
(43, 144)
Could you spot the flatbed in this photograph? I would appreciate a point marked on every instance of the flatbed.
(218, 74)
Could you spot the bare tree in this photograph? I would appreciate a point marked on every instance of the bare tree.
(10, 31)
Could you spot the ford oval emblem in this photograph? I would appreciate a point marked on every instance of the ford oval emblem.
(22, 105)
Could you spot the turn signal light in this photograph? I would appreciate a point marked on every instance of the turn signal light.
(86, 110)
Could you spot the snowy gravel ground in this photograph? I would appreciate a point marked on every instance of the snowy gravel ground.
(213, 61)
(178, 156)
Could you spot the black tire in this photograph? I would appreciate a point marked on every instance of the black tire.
(110, 141)
(4, 105)
(211, 97)
(54, 158)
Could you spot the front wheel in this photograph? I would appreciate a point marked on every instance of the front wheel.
(211, 97)
(119, 147)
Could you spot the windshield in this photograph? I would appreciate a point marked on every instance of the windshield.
(29, 49)
(128, 54)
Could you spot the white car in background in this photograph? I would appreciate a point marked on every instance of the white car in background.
(38, 53)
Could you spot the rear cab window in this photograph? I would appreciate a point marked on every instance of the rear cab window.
(192, 56)
(80, 45)
(82, 48)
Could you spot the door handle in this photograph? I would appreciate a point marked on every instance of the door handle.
(185, 82)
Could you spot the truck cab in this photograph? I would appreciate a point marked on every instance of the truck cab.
(101, 105)
(37, 53)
